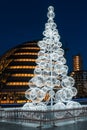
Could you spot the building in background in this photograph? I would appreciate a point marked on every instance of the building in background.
(77, 63)
(80, 76)
(16, 69)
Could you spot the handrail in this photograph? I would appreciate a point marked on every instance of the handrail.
(43, 117)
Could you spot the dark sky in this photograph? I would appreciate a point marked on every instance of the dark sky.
(24, 20)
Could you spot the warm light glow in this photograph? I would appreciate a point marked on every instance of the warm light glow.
(23, 60)
(21, 67)
(26, 53)
(22, 75)
(77, 63)
(17, 83)
(31, 48)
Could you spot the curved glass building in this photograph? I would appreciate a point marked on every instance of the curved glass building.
(16, 69)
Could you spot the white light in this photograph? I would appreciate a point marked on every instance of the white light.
(72, 104)
(51, 73)
(59, 106)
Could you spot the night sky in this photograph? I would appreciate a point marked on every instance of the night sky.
(24, 20)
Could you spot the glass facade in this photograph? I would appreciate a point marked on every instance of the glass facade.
(16, 69)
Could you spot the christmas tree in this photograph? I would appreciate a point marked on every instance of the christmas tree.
(51, 87)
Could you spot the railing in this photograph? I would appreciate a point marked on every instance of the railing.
(43, 118)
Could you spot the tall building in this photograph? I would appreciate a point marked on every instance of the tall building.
(80, 76)
(77, 63)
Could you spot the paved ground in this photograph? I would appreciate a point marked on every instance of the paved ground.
(75, 126)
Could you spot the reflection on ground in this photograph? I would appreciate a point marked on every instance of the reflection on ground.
(75, 126)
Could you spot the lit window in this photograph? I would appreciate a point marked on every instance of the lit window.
(25, 53)
(21, 67)
(32, 60)
(22, 75)
(31, 48)
(17, 83)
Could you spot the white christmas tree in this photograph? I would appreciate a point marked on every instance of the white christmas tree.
(51, 88)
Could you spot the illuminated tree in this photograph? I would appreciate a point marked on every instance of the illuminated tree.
(51, 88)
